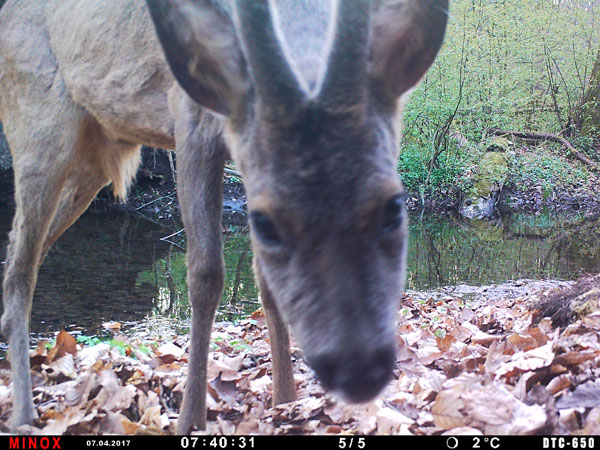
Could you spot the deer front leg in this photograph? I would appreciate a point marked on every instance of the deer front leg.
(200, 162)
(284, 387)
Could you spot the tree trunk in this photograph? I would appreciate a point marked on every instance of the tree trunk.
(589, 111)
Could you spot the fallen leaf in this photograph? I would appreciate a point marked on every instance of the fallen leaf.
(65, 343)
(113, 326)
(447, 409)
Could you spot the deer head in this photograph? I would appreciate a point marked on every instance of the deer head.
(311, 96)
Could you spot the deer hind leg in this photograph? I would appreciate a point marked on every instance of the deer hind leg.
(99, 162)
(56, 177)
(42, 156)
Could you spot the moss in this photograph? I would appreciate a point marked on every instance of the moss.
(493, 169)
(498, 144)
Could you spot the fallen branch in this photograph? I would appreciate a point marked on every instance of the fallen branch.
(548, 137)
(235, 173)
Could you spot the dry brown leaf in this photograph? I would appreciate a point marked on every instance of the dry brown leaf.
(463, 431)
(261, 385)
(79, 390)
(497, 411)
(170, 349)
(444, 343)
(390, 421)
(112, 326)
(152, 417)
(521, 342)
(112, 423)
(247, 427)
(89, 356)
(113, 396)
(259, 317)
(586, 395)
(526, 361)
(592, 422)
(558, 384)
(485, 339)
(64, 366)
(576, 357)
(592, 321)
(570, 419)
(65, 343)
(447, 409)
(474, 381)
(226, 368)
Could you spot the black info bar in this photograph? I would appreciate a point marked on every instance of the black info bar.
(339, 442)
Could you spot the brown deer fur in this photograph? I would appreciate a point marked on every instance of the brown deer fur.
(303, 95)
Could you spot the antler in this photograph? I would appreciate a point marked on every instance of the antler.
(345, 79)
(278, 88)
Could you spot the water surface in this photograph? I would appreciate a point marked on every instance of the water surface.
(113, 266)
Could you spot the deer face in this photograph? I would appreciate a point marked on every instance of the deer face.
(329, 233)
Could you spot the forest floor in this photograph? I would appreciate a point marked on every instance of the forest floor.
(470, 361)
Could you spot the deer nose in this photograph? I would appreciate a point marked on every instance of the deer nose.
(359, 376)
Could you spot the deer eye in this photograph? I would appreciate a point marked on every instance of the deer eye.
(393, 214)
(264, 229)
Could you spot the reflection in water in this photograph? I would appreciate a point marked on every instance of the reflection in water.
(113, 266)
(90, 274)
(444, 251)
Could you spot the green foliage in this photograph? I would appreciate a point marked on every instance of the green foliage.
(89, 340)
(418, 176)
(237, 345)
(514, 57)
(122, 346)
(518, 65)
(545, 170)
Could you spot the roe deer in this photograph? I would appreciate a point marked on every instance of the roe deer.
(304, 95)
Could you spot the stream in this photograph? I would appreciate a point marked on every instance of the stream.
(113, 266)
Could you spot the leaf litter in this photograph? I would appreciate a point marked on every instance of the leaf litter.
(469, 362)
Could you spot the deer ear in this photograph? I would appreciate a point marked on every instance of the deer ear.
(407, 35)
(202, 49)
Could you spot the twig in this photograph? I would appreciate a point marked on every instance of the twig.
(173, 243)
(172, 164)
(170, 197)
(171, 235)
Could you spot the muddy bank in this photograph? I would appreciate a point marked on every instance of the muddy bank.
(525, 290)
(164, 202)
(154, 195)
(533, 200)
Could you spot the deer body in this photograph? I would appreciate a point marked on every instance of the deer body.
(302, 95)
